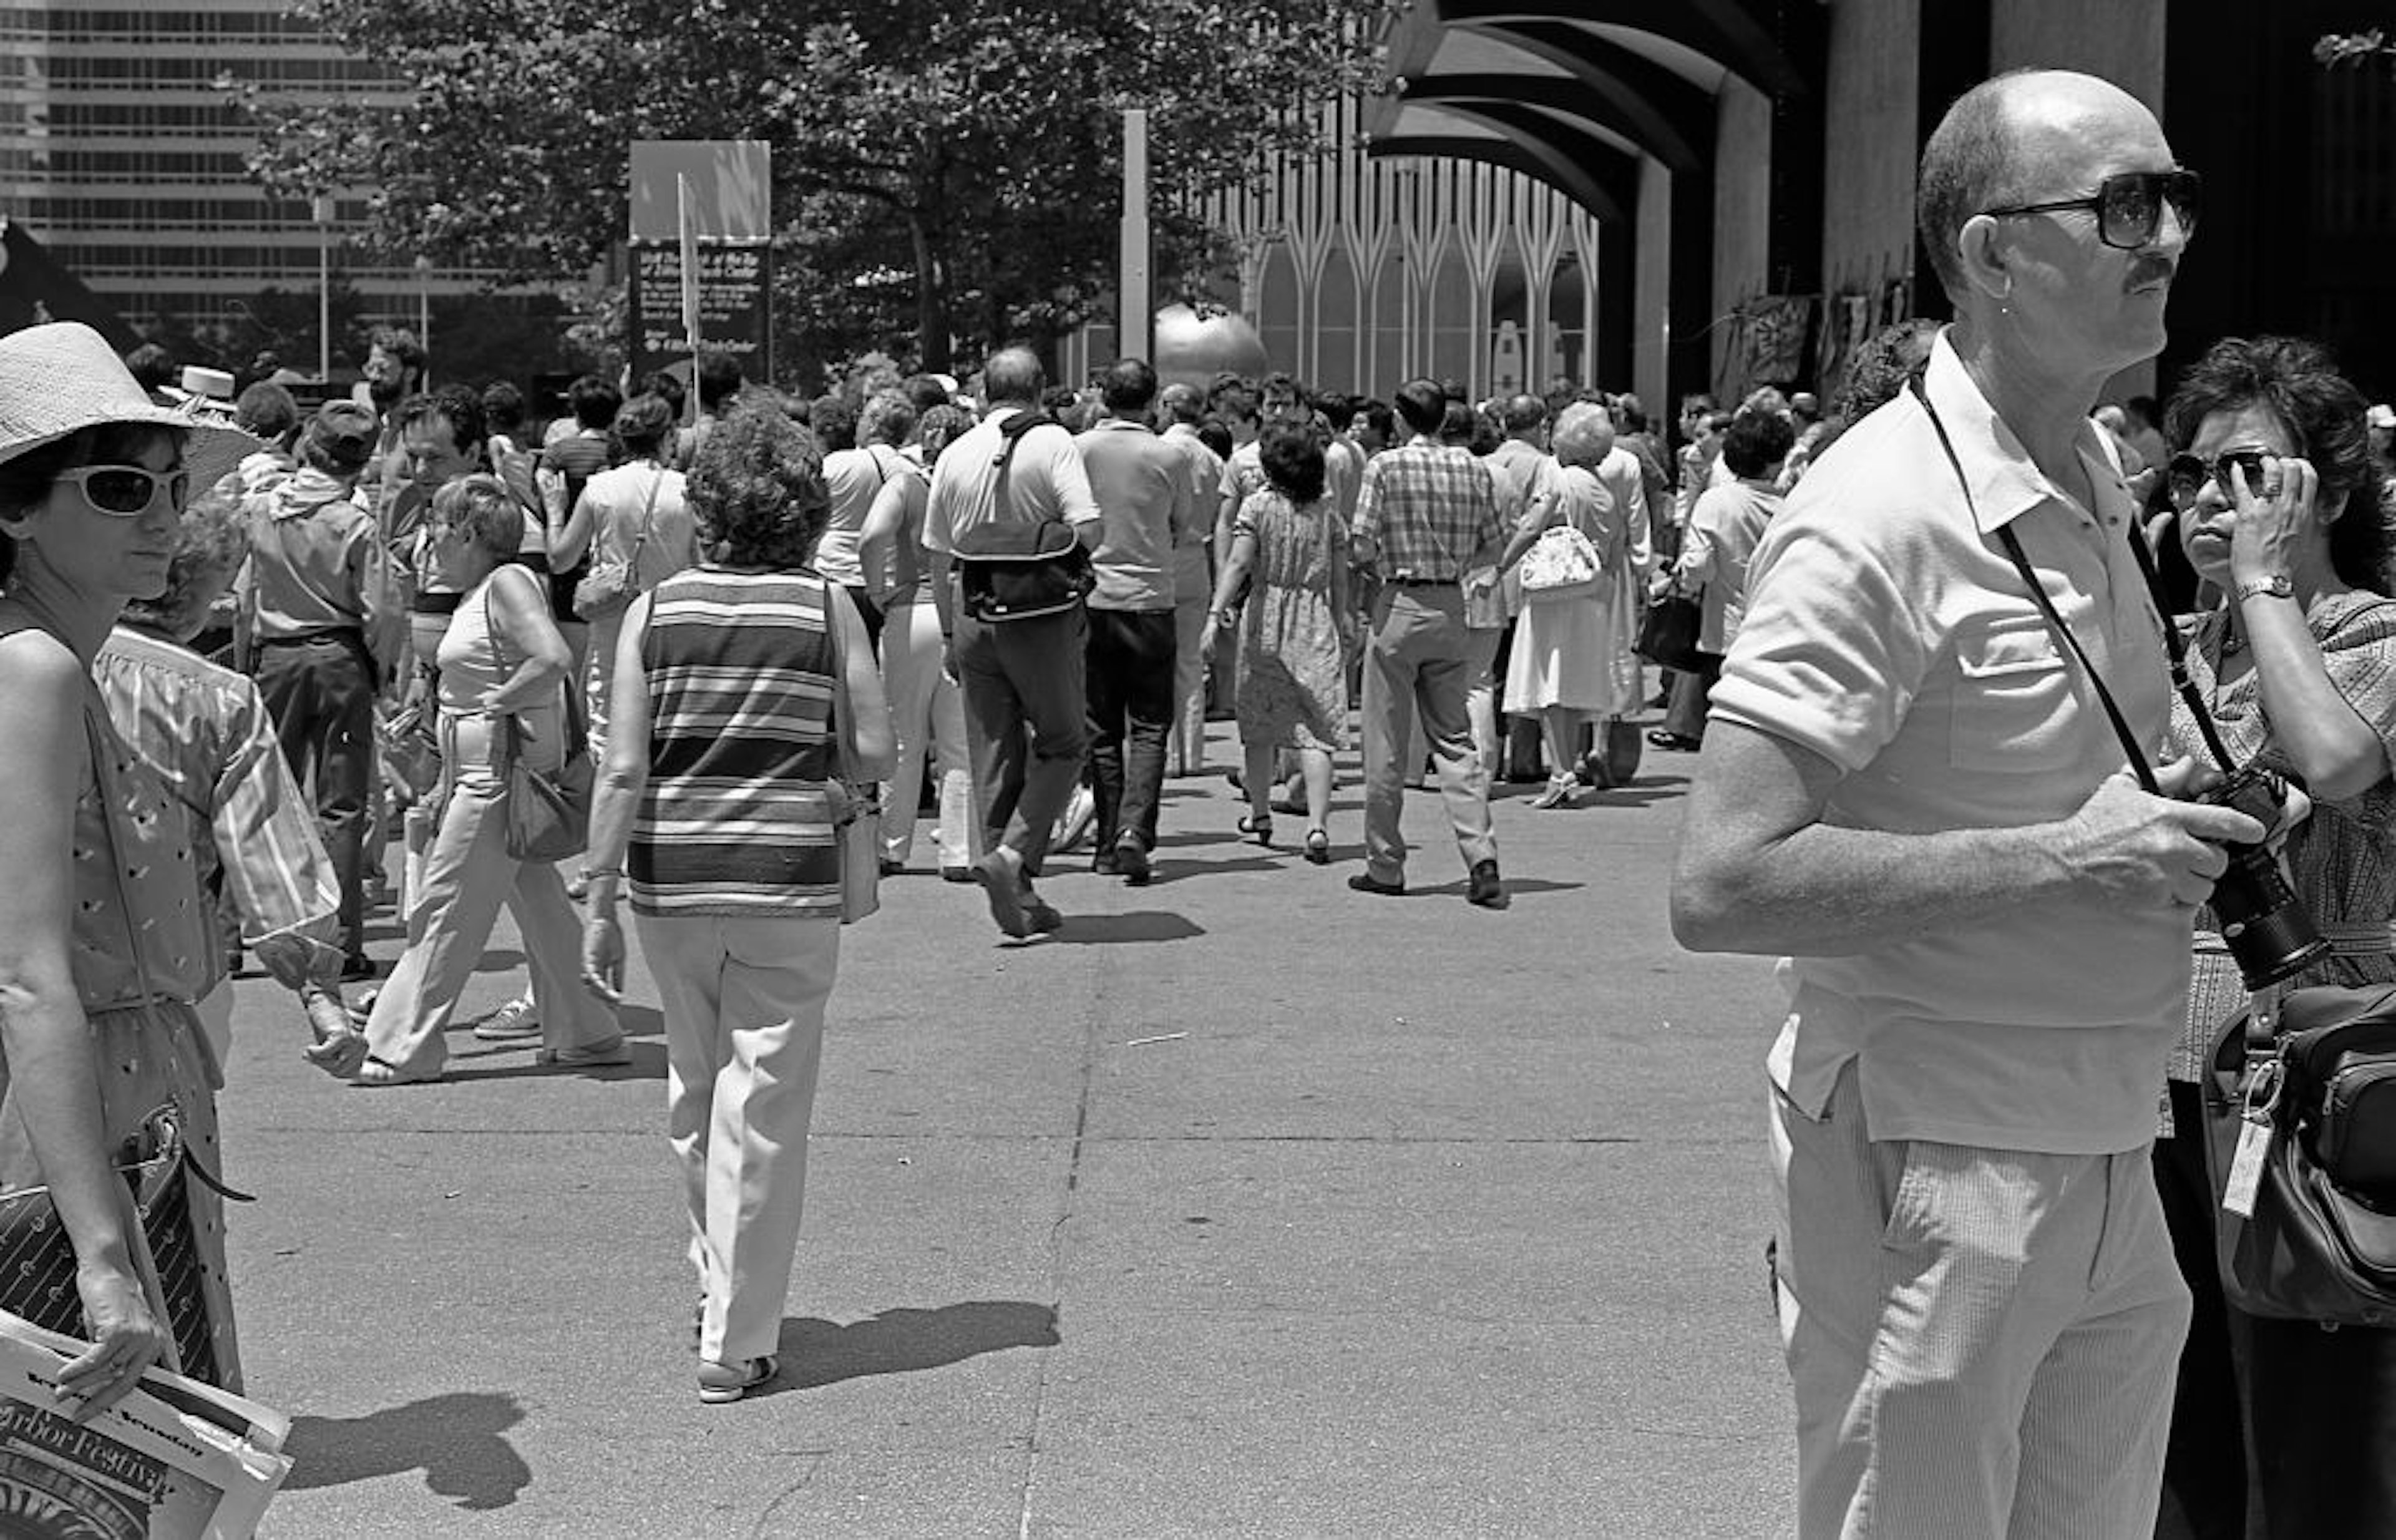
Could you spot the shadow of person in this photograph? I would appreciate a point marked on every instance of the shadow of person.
(816, 1352)
(457, 1440)
(1140, 925)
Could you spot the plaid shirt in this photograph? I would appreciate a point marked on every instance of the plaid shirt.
(1424, 510)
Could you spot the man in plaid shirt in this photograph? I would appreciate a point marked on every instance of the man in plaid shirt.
(1427, 514)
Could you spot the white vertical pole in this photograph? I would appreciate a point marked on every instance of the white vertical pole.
(424, 313)
(689, 234)
(1134, 305)
(322, 209)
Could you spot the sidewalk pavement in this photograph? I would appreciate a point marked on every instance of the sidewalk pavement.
(1245, 1206)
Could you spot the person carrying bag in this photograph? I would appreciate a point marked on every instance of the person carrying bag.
(1019, 569)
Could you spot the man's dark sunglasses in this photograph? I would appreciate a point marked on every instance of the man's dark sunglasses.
(2129, 207)
(2186, 474)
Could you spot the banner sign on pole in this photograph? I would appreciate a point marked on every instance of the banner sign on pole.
(736, 313)
(703, 258)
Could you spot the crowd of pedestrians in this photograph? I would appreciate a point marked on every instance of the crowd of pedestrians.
(785, 628)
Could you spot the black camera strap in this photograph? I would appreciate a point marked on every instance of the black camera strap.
(2172, 643)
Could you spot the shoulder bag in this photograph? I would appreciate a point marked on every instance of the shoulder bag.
(610, 582)
(1017, 569)
(2313, 1077)
(548, 813)
(856, 801)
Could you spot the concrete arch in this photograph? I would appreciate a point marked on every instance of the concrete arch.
(1564, 98)
(1726, 32)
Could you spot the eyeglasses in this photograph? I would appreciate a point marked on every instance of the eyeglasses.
(126, 491)
(2186, 474)
(2129, 207)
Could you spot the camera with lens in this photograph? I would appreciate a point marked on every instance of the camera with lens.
(2269, 935)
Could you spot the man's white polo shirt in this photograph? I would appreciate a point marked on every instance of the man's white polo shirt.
(1888, 631)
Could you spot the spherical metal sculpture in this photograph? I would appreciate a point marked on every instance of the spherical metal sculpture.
(1193, 349)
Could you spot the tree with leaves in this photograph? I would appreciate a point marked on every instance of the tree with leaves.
(969, 148)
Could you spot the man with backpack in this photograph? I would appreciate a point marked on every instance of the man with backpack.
(1010, 525)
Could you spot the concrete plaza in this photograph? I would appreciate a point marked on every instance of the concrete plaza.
(1246, 1206)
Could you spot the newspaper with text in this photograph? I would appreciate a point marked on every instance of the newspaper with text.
(175, 1460)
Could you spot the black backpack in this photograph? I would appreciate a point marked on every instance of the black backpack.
(1019, 569)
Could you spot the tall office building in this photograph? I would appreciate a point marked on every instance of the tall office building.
(120, 155)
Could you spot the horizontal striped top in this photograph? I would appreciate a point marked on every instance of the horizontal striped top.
(737, 820)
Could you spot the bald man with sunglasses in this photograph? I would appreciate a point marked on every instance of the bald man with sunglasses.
(1908, 787)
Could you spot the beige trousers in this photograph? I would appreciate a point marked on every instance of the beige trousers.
(455, 891)
(744, 1007)
(1982, 1342)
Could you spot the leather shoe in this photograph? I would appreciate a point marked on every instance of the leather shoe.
(1364, 881)
(1484, 890)
(1131, 859)
(1679, 742)
(1002, 880)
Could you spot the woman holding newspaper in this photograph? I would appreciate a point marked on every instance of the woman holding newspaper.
(96, 1037)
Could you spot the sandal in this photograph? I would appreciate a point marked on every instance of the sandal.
(1257, 826)
(1318, 847)
(375, 1072)
(720, 1382)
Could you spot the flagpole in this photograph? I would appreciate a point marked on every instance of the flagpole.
(689, 234)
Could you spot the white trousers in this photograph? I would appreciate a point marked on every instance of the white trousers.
(1982, 1342)
(1186, 752)
(455, 891)
(926, 711)
(744, 1009)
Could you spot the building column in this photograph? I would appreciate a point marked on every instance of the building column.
(1651, 302)
(1742, 204)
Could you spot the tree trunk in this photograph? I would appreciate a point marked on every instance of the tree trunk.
(931, 298)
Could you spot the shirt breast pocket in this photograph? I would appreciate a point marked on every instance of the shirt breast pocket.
(2015, 708)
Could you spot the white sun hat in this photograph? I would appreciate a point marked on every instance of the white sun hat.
(63, 377)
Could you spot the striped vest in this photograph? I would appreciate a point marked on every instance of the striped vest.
(735, 820)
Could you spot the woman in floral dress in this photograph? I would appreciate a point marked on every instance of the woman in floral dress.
(1289, 551)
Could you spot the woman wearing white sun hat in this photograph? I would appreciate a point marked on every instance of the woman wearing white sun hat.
(103, 941)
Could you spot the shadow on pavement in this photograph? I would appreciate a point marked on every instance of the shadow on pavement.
(1112, 930)
(457, 1440)
(816, 1352)
(484, 1063)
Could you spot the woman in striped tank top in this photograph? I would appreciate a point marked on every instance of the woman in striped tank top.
(717, 800)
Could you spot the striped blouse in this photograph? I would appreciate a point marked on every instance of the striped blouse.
(736, 821)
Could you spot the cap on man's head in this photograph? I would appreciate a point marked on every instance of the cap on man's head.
(344, 433)
(2380, 415)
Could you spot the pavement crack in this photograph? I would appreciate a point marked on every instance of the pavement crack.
(1092, 1048)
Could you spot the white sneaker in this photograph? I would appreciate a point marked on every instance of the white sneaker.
(515, 1020)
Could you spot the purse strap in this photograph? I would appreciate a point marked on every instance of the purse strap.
(510, 736)
(648, 518)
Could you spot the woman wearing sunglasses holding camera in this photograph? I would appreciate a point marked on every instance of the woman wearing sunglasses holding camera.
(2281, 512)
(96, 1028)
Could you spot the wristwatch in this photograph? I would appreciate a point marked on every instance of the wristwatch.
(2279, 586)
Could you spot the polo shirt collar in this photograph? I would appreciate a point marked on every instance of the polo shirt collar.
(1120, 425)
(2005, 483)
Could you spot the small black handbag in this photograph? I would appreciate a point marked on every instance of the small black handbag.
(2318, 1085)
(1668, 632)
